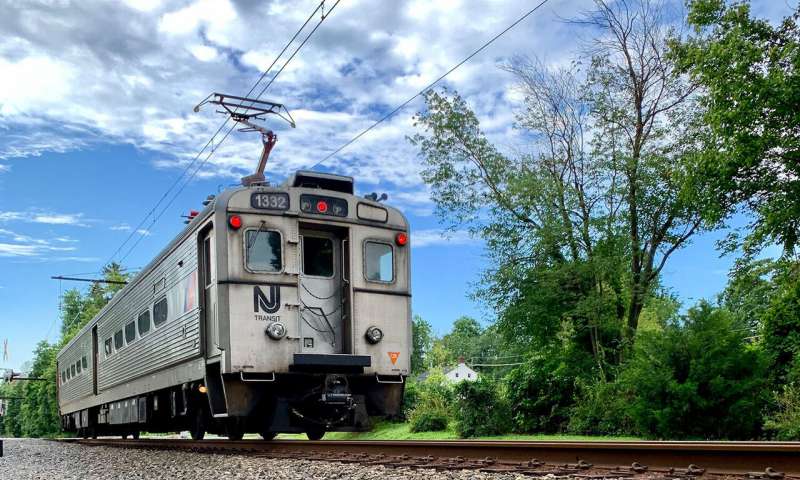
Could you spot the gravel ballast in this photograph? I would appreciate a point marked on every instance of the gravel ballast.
(41, 459)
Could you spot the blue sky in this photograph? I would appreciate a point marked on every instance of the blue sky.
(96, 124)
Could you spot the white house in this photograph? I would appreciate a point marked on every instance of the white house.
(461, 373)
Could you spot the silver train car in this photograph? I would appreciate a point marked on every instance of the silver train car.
(277, 309)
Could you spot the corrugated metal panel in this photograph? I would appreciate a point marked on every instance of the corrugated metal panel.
(176, 340)
(80, 385)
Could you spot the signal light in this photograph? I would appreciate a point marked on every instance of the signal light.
(401, 239)
(235, 222)
(322, 206)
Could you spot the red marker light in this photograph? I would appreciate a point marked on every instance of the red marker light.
(235, 221)
(322, 206)
(401, 239)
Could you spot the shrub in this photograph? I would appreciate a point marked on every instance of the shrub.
(784, 422)
(481, 409)
(698, 378)
(541, 392)
(602, 409)
(433, 407)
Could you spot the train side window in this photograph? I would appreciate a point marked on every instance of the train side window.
(263, 251)
(68, 376)
(144, 322)
(108, 347)
(318, 256)
(378, 262)
(207, 262)
(78, 366)
(130, 332)
(160, 312)
(72, 370)
(83, 361)
(63, 376)
(118, 340)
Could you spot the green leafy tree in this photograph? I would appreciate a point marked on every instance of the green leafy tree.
(749, 72)
(422, 341)
(36, 414)
(604, 198)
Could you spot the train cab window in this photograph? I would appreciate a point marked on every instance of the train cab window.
(130, 332)
(118, 340)
(144, 322)
(378, 262)
(84, 363)
(263, 251)
(160, 312)
(318, 256)
(108, 349)
(78, 366)
(63, 376)
(72, 370)
(68, 376)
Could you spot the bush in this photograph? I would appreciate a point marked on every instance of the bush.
(481, 409)
(541, 392)
(433, 407)
(784, 423)
(699, 378)
(602, 409)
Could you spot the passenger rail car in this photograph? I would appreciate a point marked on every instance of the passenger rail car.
(277, 309)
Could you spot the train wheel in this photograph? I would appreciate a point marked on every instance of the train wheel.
(135, 434)
(315, 433)
(197, 428)
(124, 436)
(267, 435)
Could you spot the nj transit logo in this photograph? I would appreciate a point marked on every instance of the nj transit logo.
(269, 302)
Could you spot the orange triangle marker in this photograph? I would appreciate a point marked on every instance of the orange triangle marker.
(393, 356)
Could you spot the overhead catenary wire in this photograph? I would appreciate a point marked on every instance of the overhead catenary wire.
(211, 142)
(429, 86)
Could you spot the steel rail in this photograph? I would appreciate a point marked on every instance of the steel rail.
(714, 458)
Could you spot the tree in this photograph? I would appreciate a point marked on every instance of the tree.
(36, 414)
(422, 341)
(751, 88)
(581, 226)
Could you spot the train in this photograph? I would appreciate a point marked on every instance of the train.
(277, 309)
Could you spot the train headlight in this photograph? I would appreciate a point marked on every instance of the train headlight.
(276, 330)
(374, 335)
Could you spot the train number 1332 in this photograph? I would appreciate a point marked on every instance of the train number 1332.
(270, 201)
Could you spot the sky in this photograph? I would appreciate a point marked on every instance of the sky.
(97, 123)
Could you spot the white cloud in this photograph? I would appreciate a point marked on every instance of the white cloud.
(123, 227)
(143, 232)
(427, 238)
(204, 53)
(48, 218)
(85, 72)
(4, 168)
(26, 246)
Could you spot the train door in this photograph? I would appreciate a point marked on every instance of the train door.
(95, 353)
(209, 286)
(321, 307)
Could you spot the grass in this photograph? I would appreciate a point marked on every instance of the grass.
(401, 431)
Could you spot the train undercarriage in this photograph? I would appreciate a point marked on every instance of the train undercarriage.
(264, 404)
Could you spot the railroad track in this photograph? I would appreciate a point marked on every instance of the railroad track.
(585, 460)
